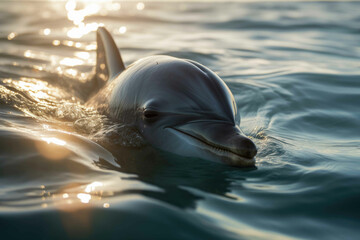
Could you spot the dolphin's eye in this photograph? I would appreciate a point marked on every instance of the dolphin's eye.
(150, 114)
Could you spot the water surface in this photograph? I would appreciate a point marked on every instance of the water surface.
(294, 69)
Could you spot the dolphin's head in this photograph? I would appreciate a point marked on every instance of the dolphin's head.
(185, 108)
(178, 105)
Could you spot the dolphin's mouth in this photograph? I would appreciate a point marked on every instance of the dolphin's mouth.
(226, 155)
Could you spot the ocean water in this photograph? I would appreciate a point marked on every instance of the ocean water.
(293, 67)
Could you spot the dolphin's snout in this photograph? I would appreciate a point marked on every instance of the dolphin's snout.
(222, 139)
(242, 146)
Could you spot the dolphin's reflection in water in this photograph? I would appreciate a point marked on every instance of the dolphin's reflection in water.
(174, 174)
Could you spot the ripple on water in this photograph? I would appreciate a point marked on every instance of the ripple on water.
(69, 172)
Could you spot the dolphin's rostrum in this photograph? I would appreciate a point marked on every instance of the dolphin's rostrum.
(177, 105)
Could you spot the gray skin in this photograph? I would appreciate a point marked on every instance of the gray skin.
(177, 105)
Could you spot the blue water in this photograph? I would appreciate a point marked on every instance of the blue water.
(294, 69)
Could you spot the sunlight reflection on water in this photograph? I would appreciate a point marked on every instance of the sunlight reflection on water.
(84, 197)
(71, 62)
(77, 11)
(290, 66)
(72, 197)
(54, 140)
(54, 149)
(77, 16)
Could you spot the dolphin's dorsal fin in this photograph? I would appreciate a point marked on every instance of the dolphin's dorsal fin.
(109, 63)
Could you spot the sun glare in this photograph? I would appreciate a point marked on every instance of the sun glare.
(11, 36)
(54, 141)
(140, 6)
(52, 148)
(47, 31)
(56, 42)
(28, 54)
(83, 55)
(78, 10)
(76, 14)
(84, 197)
(71, 62)
(71, 72)
(122, 29)
(92, 186)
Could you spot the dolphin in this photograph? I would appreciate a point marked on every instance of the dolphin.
(177, 105)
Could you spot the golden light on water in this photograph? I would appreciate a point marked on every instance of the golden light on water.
(78, 13)
(69, 43)
(54, 141)
(92, 186)
(77, 16)
(11, 36)
(122, 29)
(113, 6)
(78, 45)
(56, 42)
(38, 90)
(46, 31)
(70, 5)
(30, 86)
(83, 55)
(28, 54)
(71, 62)
(91, 47)
(73, 196)
(71, 72)
(84, 197)
(140, 6)
(52, 148)
(92, 192)
(82, 29)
